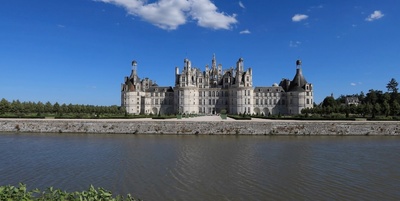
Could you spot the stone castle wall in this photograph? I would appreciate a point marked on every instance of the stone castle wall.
(200, 127)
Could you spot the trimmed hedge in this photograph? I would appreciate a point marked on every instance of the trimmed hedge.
(239, 117)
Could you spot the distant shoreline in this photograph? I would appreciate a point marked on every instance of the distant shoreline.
(205, 126)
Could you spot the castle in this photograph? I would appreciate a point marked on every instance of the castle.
(210, 91)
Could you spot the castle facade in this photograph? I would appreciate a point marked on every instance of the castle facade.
(210, 91)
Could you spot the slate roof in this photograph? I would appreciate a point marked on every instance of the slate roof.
(298, 83)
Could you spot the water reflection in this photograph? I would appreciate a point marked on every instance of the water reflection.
(207, 167)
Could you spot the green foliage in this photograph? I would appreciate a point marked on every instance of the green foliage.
(329, 102)
(373, 105)
(17, 109)
(392, 85)
(20, 193)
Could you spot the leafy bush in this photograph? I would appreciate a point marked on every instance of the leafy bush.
(11, 193)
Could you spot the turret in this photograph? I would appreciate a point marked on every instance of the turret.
(239, 65)
(134, 66)
(187, 64)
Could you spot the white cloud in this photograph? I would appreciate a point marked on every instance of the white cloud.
(294, 43)
(170, 14)
(374, 16)
(246, 31)
(241, 4)
(299, 17)
(355, 84)
(205, 12)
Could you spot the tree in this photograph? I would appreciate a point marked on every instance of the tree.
(341, 99)
(361, 97)
(372, 96)
(48, 107)
(376, 110)
(4, 106)
(368, 109)
(56, 108)
(17, 107)
(386, 108)
(39, 108)
(329, 102)
(395, 108)
(360, 109)
(392, 86)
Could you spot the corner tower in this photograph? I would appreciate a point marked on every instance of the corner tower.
(300, 92)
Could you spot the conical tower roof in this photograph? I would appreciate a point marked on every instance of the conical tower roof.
(298, 83)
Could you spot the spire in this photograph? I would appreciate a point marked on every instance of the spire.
(214, 62)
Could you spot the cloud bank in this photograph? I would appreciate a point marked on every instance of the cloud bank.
(374, 16)
(299, 17)
(170, 14)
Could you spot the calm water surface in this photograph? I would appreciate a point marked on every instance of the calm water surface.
(207, 167)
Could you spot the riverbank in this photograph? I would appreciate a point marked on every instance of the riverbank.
(212, 125)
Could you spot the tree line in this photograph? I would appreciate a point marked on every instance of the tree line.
(18, 108)
(372, 104)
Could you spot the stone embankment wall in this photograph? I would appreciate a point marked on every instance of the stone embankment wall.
(201, 127)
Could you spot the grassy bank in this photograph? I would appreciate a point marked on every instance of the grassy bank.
(20, 193)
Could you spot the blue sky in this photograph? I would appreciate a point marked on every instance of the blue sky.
(79, 51)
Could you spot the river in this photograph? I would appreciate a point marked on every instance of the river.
(190, 167)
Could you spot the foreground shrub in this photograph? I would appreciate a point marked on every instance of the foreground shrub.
(11, 193)
(240, 117)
